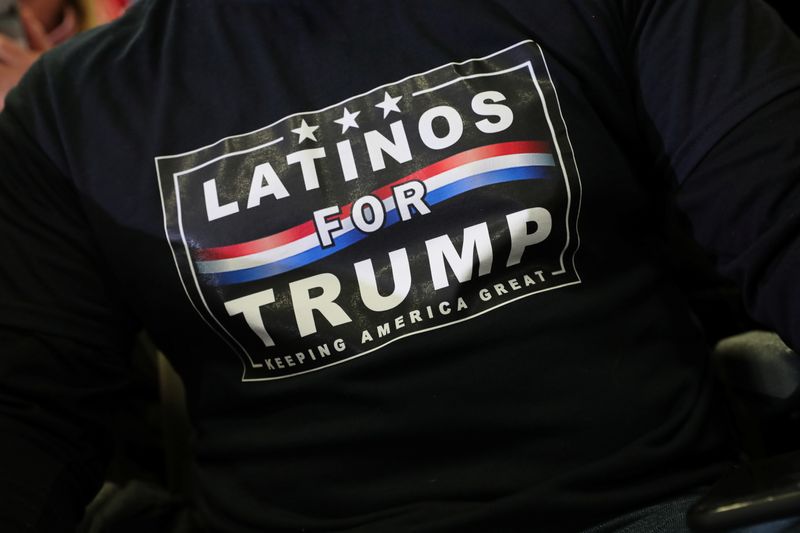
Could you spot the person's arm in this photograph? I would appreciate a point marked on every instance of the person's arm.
(719, 98)
(64, 340)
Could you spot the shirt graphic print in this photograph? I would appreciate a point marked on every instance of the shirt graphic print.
(417, 205)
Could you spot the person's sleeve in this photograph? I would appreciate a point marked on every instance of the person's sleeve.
(718, 90)
(64, 340)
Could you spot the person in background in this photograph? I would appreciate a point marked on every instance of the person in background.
(47, 23)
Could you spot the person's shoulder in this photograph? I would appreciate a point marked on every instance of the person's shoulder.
(133, 40)
(68, 96)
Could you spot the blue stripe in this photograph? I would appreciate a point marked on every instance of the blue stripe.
(353, 236)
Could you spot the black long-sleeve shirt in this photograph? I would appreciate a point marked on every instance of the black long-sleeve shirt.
(408, 257)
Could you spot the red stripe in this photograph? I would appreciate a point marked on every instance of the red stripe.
(307, 228)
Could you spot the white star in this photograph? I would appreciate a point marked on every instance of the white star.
(305, 132)
(348, 120)
(389, 104)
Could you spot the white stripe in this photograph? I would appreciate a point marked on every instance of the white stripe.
(299, 246)
(500, 162)
(309, 242)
